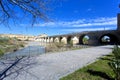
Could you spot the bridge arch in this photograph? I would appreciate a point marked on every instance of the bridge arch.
(69, 39)
(51, 39)
(56, 39)
(64, 40)
(108, 39)
(83, 39)
(75, 40)
(60, 39)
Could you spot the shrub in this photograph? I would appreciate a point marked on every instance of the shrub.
(21, 45)
(85, 40)
(59, 45)
(115, 63)
(26, 39)
(71, 43)
(4, 39)
(1, 53)
(51, 48)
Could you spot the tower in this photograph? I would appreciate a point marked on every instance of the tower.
(118, 21)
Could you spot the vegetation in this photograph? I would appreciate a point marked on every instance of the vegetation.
(58, 47)
(1, 52)
(85, 40)
(99, 70)
(53, 47)
(70, 44)
(9, 45)
(115, 62)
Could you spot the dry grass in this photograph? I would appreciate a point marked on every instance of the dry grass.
(9, 45)
(58, 47)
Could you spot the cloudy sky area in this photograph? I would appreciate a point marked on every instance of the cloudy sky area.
(70, 16)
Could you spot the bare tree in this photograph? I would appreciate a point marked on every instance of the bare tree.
(14, 10)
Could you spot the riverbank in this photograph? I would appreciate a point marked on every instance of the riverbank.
(10, 45)
(60, 47)
(30, 49)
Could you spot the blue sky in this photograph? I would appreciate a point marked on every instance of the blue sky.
(68, 16)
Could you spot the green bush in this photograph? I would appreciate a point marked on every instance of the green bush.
(21, 45)
(4, 39)
(1, 53)
(85, 40)
(71, 43)
(115, 63)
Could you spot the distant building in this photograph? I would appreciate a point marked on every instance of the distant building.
(24, 37)
(18, 36)
(40, 37)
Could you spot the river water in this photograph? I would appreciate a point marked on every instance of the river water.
(31, 49)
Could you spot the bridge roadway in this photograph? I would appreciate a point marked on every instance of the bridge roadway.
(56, 65)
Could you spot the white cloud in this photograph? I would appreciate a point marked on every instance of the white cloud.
(98, 22)
(81, 23)
(89, 9)
(79, 30)
(45, 24)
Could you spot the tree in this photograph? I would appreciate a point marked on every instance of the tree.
(12, 10)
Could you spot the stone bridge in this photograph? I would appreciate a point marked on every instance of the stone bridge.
(95, 37)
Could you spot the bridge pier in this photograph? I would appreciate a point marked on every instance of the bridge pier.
(45, 39)
(93, 40)
(48, 39)
(42, 39)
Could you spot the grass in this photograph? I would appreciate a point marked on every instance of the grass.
(99, 70)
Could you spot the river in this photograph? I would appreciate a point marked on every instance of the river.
(31, 49)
